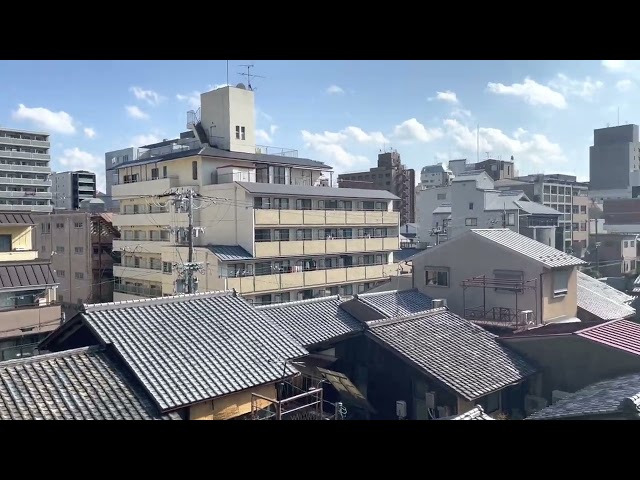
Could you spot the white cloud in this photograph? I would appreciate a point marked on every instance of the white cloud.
(617, 65)
(89, 132)
(334, 90)
(460, 113)
(581, 88)
(529, 149)
(331, 152)
(52, 122)
(134, 112)
(447, 96)
(413, 131)
(193, 98)
(360, 136)
(273, 129)
(263, 136)
(625, 85)
(149, 96)
(145, 139)
(76, 159)
(531, 92)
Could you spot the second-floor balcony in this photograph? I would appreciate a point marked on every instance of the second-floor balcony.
(147, 291)
(132, 187)
(265, 249)
(272, 217)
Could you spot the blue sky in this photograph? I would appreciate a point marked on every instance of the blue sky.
(340, 112)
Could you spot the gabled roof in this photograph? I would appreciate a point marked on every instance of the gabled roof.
(460, 355)
(545, 254)
(313, 321)
(601, 300)
(610, 397)
(80, 384)
(187, 349)
(309, 191)
(230, 253)
(476, 413)
(620, 334)
(395, 303)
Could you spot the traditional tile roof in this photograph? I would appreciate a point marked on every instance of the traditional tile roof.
(598, 286)
(26, 274)
(230, 253)
(620, 334)
(80, 384)
(545, 254)
(313, 321)
(610, 397)
(476, 413)
(601, 300)
(460, 355)
(396, 303)
(187, 349)
(309, 191)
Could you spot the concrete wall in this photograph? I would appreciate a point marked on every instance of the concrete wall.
(427, 201)
(613, 156)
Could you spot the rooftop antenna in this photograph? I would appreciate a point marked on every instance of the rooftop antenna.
(249, 75)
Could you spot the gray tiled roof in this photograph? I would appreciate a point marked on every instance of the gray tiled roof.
(597, 298)
(187, 349)
(230, 253)
(313, 321)
(80, 384)
(461, 355)
(396, 303)
(548, 256)
(609, 397)
(307, 191)
(26, 274)
(476, 413)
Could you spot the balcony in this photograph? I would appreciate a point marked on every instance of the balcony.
(26, 208)
(309, 279)
(24, 181)
(24, 155)
(264, 217)
(147, 187)
(150, 219)
(25, 194)
(19, 256)
(29, 320)
(24, 142)
(321, 247)
(138, 291)
(132, 273)
(144, 245)
(10, 167)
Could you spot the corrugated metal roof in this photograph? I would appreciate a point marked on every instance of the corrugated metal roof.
(548, 256)
(620, 334)
(461, 355)
(187, 349)
(306, 191)
(16, 218)
(26, 275)
(80, 384)
(396, 303)
(230, 253)
(313, 321)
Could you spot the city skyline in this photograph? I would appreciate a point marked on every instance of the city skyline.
(340, 112)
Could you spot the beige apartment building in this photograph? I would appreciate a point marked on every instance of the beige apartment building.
(28, 308)
(264, 225)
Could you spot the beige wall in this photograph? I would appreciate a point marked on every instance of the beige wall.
(230, 406)
(40, 319)
(566, 305)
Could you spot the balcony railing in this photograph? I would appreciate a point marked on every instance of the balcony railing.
(26, 208)
(23, 168)
(325, 217)
(24, 141)
(502, 317)
(25, 194)
(145, 265)
(24, 155)
(24, 181)
(137, 290)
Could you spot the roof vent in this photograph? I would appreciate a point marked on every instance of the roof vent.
(438, 302)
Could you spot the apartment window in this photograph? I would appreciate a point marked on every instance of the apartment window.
(242, 133)
(560, 282)
(327, 204)
(626, 244)
(262, 202)
(347, 290)
(470, 205)
(279, 175)
(511, 219)
(78, 250)
(194, 169)
(281, 235)
(471, 222)
(575, 209)
(60, 273)
(263, 235)
(237, 132)
(282, 297)
(263, 268)
(303, 234)
(154, 174)
(79, 276)
(77, 225)
(167, 267)
(60, 250)
(583, 226)
(46, 228)
(60, 225)
(281, 203)
(436, 277)
(583, 209)
(345, 205)
(303, 204)
(164, 172)
(5, 243)
(511, 280)
(442, 196)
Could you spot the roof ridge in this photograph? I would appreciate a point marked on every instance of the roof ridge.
(406, 318)
(46, 356)
(144, 302)
(298, 302)
(373, 294)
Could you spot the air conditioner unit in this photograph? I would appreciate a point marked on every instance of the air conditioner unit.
(438, 302)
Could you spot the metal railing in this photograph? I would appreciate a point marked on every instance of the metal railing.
(25, 194)
(25, 155)
(269, 150)
(496, 316)
(137, 290)
(23, 168)
(25, 181)
(26, 208)
(23, 141)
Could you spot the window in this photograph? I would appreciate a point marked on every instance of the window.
(60, 273)
(262, 202)
(442, 196)
(436, 277)
(77, 225)
(46, 228)
(194, 169)
(60, 250)
(164, 172)
(511, 219)
(5, 243)
(471, 222)
(242, 134)
(626, 243)
(263, 268)
(263, 235)
(491, 403)
(154, 174)
(60, 225)
(470, 205)
(281, 235)
(303, 204)
(281, 203)
(279, 175)
(303, 234)
(167, 267)
(237, 132)
(78, 250)
(560, 282)
(79, 276)
(512, 280)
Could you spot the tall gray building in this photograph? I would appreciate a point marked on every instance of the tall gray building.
(614, 157)
(70, 188)
(25, 171)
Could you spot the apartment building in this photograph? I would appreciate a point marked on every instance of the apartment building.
(263, 224)
(28, 308)
(79, 245)
(25, 170)
(496, 168)
(390, 175)
(71, 188)
(565, 194)
(614, 162)
(435, 176)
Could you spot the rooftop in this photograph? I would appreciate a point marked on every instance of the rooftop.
(80, 384)
(187, 349)
(26, 274)
(309, 191)
(460, 355)
(545, 254)
(619, 334)
(395, 303)
(601, 300)
(230, 253)
(610, 397)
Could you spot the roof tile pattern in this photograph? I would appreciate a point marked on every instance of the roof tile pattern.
(595, 285)
(81, 384)
(461, 355)
(476, 413)
(603, 398)
(548, 256)
(620, 334)
(192, 348)
(396, 303)
(313, 321)
(603, 307)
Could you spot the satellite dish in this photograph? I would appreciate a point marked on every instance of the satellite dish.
(241, 86)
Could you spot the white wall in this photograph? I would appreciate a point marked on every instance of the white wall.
(427, 201)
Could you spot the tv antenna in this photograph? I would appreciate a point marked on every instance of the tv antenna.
(249, 75)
